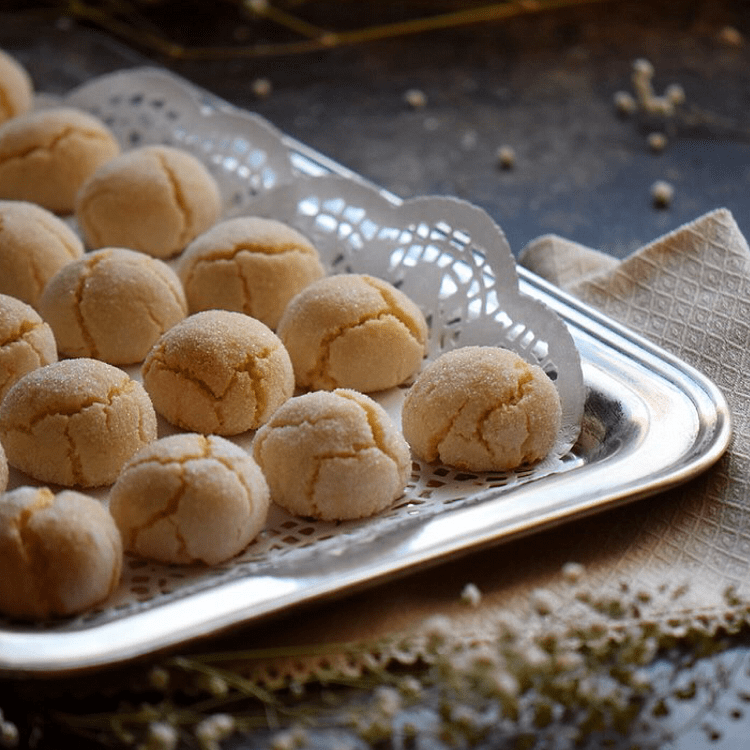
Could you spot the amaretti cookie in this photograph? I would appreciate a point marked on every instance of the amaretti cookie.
(481, 408)
(34, 245)
(16, 87)
(112, 304)
(75, 422)
(333, 455)
(353, 331)
(60, 554)
(190, 498)
(218, 372)
(26, 342)
(248, 264)
(47, 154)
(154, 199)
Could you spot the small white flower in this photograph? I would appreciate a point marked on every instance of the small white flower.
(158, 677)
(662, 193)
(506, 157)
(643, 67)
(211, 731)
(657, 141)
(9, 736)
(471, 595)
(573, 572)
(388, 701)
(543, 601)
(262, 87)
(161, 736)
(415, 98)
(675, 94)
(625, 103)
(257, 6)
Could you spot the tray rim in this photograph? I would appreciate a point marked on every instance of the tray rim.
(44, 654)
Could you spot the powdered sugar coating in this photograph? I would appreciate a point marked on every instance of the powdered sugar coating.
(75, 422)
(333, 455)
(481, 408)
(46, 155)
(190, 498)
(154, 199)
(26, 342)
(60, 554)
(218, 372)
(112, 304)
(248, 264)
(353, 331)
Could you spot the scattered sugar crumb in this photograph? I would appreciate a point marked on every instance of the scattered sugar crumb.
(506, 157)
(657, 141)
(662, 193)
(415, 98)
(262, 87)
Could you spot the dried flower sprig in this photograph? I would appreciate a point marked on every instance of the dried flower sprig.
(125, 20)
(614, 666)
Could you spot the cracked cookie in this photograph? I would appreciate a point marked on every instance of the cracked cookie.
(75, 422)
(218, 372)
(190, 498)
(333, 455)
(16, 87)
(154, 199)
(26, 342)
(60, 554)
(248, 264)
(47, 154)
(353, 331)
(481, 408)
(112, 304)
(34, 245)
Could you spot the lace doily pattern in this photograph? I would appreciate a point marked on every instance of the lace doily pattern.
(446, 254)
(243, 151)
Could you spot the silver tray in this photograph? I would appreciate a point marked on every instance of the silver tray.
(650, 421)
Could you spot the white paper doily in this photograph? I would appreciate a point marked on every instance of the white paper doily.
(446, 254)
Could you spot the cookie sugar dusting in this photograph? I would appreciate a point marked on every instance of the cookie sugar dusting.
(482, 408)
(333, 455)
(190, 498)
(75, 422)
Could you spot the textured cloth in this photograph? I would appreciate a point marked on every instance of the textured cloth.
(689, 292)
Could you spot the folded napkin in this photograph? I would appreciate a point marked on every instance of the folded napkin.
(683, 549)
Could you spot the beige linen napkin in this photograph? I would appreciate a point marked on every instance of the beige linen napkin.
(689, 292)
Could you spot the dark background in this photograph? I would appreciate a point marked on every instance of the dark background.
(541, 82)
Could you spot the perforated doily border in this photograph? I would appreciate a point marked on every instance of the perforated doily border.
(254, 168)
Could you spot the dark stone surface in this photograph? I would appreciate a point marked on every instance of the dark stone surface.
(542, 84)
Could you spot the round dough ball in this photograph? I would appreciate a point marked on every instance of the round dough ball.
(60, 554)
(113, 305)
(248, 264)
(481, 408)
(75, 422)
(154, 199)
(190, 498)
(16, 87)
(26, 342)
(46, 155)
(353, 331)
(218, 372)
(34, 245)
(333, 455)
